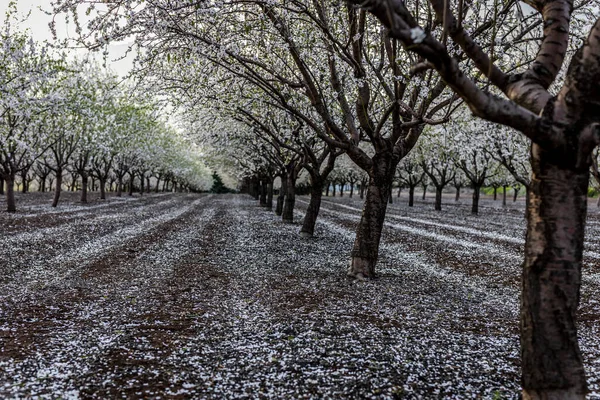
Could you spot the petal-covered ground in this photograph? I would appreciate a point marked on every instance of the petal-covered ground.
(205, 296)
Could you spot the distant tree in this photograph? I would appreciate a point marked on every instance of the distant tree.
(218, 185)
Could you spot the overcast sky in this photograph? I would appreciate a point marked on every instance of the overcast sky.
(38, 22)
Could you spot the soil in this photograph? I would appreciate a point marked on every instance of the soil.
(212, 296)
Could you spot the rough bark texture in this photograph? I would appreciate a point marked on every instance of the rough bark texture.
(551, 358)
(368, 233)
(312, 212)
(57, 189)
(11, 205)
(504, 196)
(1, 186)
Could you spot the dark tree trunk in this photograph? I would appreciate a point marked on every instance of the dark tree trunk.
(93, 183)
(457, 197)
(42, 184)
(281, 196)
(157, 187)
(57, 190)
(399, 191)
(495, 193)
(270, 194)
(1, 186)
(102, 183)
(141, 184)
(11, 204)
(84, 183)
(327, 189)
(504, 196)
(362, 192)
(351, 190)
(342, 189)
(130, 188)
(424, 191)
(557, 205)
(475, 205)
(312, 212)
(333, 191)
(287, 214)
(119, 186)
(411, 196)
(256, 189)
(148, 185)
(515, 193)
(263, 193)
(368, 233)
(438, 199)
(390, 196)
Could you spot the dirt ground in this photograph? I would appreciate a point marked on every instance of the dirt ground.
(212, 296)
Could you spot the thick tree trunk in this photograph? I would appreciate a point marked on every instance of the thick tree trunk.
(1, 186)
(102, 183)
(351, 190)
(84, 183)
(281, 196)
(362, 192)
(312, 212)
(550, 356)
(515, 194)
(333, 191)
(327, 190)
(11, 204)
(390, 196)
(424, 191)
(58, 188)
(287, 214)
(503, 196)
(256, 189)
(148, 185)
(368, 233)
(438, 199)
(411, 196)
(495, 193)
(157, 187)
(457, 197)
(475, 205)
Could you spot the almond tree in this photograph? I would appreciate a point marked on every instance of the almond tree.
(563, 125)
(26, 69)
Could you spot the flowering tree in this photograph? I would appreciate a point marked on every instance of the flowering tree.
(563, 126)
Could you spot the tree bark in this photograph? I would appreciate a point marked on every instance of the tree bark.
(1, 186)
(57, 190)
(287, 214)
(312, 212)
(102, 183)
(390, 196)
(557, 205)
(504, 196)
(475, 205)
(495, 193)
(438, 199)
(424, 191)
(11, 204)
(270, 194)
(119, 186)
(411, 196)
(368, 233)
(399, 191)
(281, 196)
(263, 193)
(515, 194)
(327, 190)
(130, 188)
(457, 197)
(84, 183)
